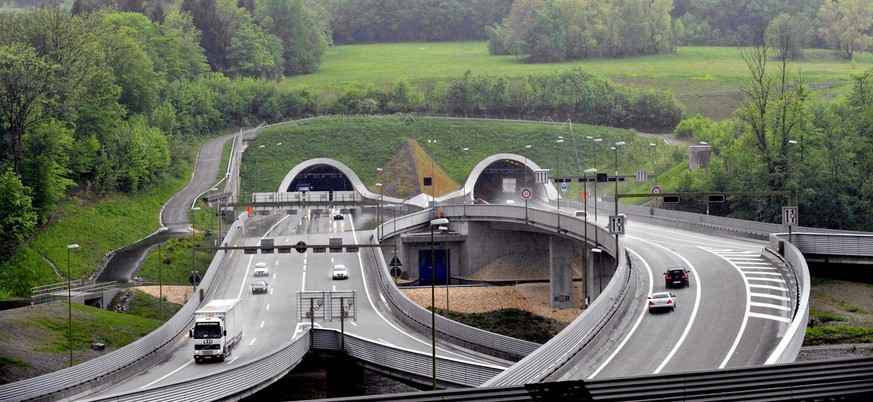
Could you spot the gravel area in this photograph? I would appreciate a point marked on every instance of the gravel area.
(173, 294)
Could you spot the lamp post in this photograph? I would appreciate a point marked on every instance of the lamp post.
(797, 187)
(585, 174)
(597, 252)
(527, 147)
(432, 178)
(654, 160)
(160, 275)
(194, 239)
(434, 222)
(70, 298)
(557, 164)
(617, 144)
(379, 212)
(595, 140)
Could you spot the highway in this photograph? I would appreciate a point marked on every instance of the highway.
(271, 319)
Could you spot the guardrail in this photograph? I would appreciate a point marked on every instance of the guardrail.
(788, 348)
(99, 373)
(848, 379)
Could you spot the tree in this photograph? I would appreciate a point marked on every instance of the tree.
(251, 54)
(845, 24)
(773, 112)
(787, 36)
(45, 166)
(301, 26)
(17, 216)
(25, 99)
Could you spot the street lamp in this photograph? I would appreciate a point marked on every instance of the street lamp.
(194, 239)
(797, 187)
(527, 147)
(434, 222)
(557, 147)
(70, 299)
(597, 252)
(654, 161)
(160, 275)
(617, 144)
(595, 140)
(585, 174)
(432, 177)
(379, 212)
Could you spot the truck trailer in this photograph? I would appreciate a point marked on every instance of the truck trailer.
(216, 329)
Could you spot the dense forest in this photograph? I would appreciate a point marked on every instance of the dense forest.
(94, 94)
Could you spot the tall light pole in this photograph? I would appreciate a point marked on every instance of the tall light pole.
(617, 144)
(797, 187)
(70, 298)
(378, 214)
(434, 222)
(527, 147)
(595, 140)
(557, 150)
(160, 274)
(194, 240)
(654, 160)
(432, 176)
(585, 277)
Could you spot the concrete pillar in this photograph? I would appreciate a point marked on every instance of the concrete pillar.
(561, 272)
(602, 267)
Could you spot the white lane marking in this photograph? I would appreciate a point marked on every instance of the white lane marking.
(245, 278)
(171, 373)
(253, 341)
(233, 360)
(385, 342)
(354, 323)
(777, 280)
(768, 305)
(370, 299)
(636, 324)
(776, 288)
(334, 288)
(763, 273)
(268, 307)
(262, 323)
(690, 322)
(271, 290)
(770, 317)
(769, 296)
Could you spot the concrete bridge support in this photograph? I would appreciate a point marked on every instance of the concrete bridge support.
(561, 272)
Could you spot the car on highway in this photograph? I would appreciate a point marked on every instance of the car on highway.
(259, 286)
(338, 217)
(261, 269)
(662, 301)
(339, 272)
(676, 277)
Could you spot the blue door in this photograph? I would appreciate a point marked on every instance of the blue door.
(441, 275)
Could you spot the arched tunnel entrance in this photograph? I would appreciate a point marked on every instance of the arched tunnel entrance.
(320, 178)
(502, 180)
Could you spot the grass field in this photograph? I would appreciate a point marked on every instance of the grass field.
(690, 73)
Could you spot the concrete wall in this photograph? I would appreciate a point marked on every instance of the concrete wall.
(561, 272)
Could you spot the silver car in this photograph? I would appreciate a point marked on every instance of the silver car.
(662, 300)
(261, 269)
(339, 272)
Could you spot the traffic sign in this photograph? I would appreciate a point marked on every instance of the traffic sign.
(526, 193)
(642, 175)
(564, 187)
(656, 190)
(301, 247)
(395, 262)
(616, 224)
(790, 215)
(194, 279)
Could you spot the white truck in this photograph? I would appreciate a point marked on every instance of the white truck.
(216, 329)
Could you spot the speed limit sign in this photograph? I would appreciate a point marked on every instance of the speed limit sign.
(526, 193)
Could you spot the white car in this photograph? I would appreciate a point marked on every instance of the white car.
(261, 269)
(662, 300)
(339, 272)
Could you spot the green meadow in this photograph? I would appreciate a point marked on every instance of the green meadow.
(705, 78)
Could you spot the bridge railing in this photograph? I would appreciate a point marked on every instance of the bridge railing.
(789, 347)
(99, 373)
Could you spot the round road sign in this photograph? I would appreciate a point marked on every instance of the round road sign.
(656, 190)
(526, 193)
(301, 247)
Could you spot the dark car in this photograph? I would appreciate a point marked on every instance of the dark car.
(259, 286)
(676, 277)
(338, 217)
